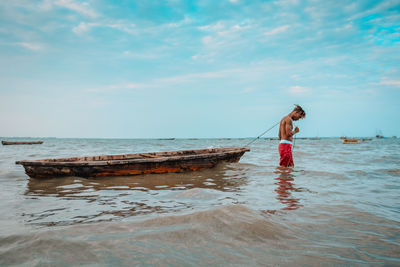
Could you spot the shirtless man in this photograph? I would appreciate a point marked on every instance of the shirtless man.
(286, 135)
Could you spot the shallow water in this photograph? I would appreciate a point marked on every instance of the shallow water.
(339, 206)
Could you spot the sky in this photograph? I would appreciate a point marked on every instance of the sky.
(198, 69)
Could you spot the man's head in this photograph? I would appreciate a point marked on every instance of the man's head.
(298, 113)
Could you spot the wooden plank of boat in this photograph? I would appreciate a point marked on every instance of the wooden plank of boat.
(21, 143)
(350, 141)
(132, 164)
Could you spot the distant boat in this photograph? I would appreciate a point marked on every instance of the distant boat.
(166, 139)
(5, 143)
(350, 141)
(379, 134)
(366, 139)
(132, 164)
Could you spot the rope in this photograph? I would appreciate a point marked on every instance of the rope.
(294, 142)
(258, 137)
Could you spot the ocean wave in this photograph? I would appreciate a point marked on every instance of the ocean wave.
(223, 232)
(232, 234)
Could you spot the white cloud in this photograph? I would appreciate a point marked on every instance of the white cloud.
(31, 46)
(141, 55)
(126, 86)
(376, 9)
(186, 20)
(213, 44)
(277, 30)
(234, 30)
(173, 80)
(222, 28)
(191, 77)
(391, 82)
(82, 8)
(286, 3)
(345, 28)
(213, 27)
(128, 28)
(201, 76)
(221, 37)
(118, 87)
(98, 103)
(207, 40)
(248, 90)
(298, 90)
(46, 5)
(84, 27)
(369, 91)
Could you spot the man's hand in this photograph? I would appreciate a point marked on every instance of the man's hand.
(296, 130)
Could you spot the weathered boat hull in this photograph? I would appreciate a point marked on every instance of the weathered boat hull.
(5, 143)
(132, 164)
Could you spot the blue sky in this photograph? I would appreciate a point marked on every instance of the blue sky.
(228, 68)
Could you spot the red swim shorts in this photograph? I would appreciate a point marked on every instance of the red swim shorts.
(285, 151)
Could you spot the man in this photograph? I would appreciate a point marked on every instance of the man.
(286, 135)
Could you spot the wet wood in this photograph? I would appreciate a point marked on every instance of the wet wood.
(132, 164)
(21, 143)
(148, 156)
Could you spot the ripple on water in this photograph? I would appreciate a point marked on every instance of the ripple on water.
(394, 172)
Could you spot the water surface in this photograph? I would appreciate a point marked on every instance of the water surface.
(339, 206)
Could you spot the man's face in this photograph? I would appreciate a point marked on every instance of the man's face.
(296, 116)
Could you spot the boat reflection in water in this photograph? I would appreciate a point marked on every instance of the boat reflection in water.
(78, 200)
(285, 187)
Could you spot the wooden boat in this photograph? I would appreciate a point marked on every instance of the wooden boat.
(350, 141)
(132, 164)
(21, 143)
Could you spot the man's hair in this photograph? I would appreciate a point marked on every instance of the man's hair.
(299, 109)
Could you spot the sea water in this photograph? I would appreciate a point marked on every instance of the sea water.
(339, 205)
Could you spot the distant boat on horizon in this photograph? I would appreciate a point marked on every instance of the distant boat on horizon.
(350, 141)
(366, 139)
(379, 134)
(6, 143)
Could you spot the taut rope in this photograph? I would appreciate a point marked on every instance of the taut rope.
(258, 137)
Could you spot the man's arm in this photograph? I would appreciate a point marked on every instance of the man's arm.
(289, 127)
